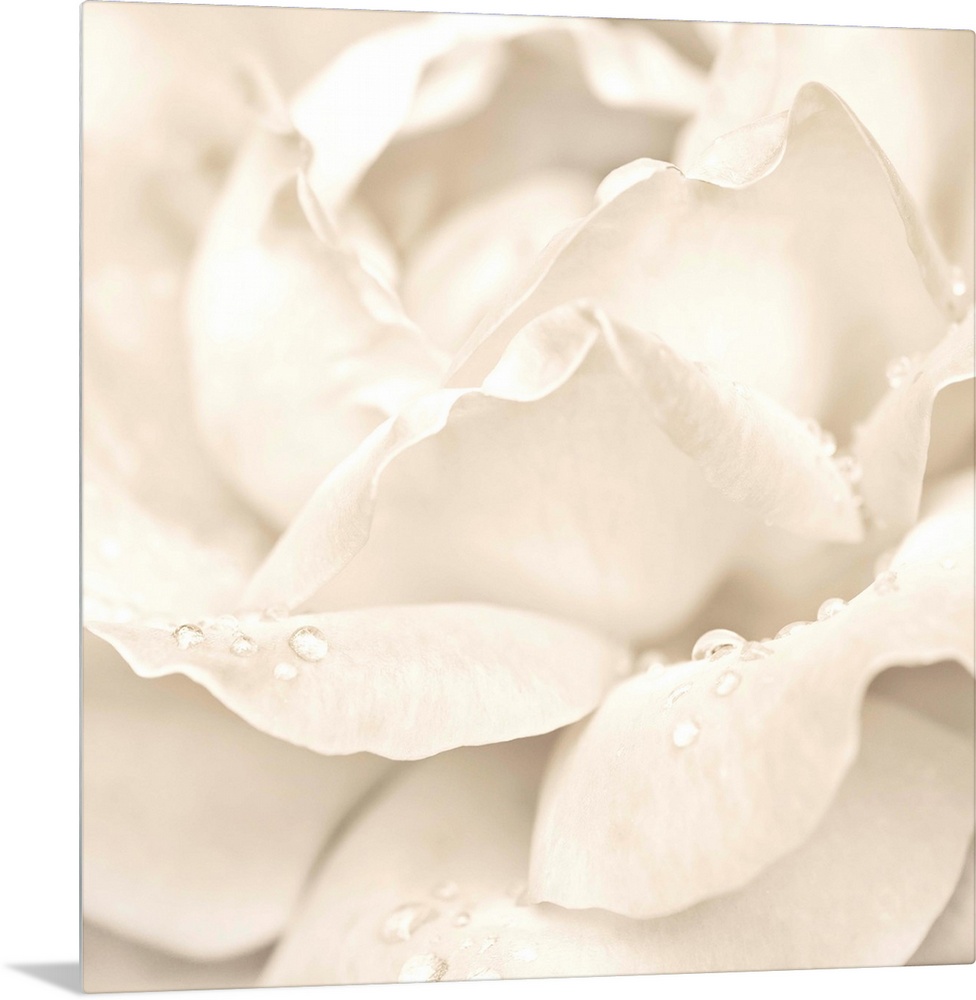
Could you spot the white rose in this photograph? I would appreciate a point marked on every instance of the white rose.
(464, 418)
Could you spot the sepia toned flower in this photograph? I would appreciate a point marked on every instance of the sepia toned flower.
(528, 513)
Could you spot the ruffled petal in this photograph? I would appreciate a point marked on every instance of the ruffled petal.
(426, 883)
(952, 940)
(912, 89)
(471, 260)
(299, 350)
(703, 773)
(198, 831)
(892, 445)
(112, 964)
(523, 493)
(791, 259)
(402, 682)
(444, 70)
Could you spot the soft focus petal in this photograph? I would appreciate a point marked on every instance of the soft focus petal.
(699, 775)
(481, 250)
(892, 445)
(552, 488)
(298, 350)
(952, 940)
(912, 88)
(452, 836)
(403, 682)
(112, 964)
(408, 80)
(198, 831)
(790, 261)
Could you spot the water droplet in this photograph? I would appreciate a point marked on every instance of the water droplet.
(243, 645)
(685, 733)
(188, 636)
(948, 563)
(308, 643)
(832, 606)
(526, 954)
(401, 924)
(897, 371)
(727, 683)
(718, 642)
(679, 692)
(850, 468)
(790, 629)
(446, 890)
(423, 969)
(886, 582)
(286, 671)
(485, 974)
(276, 612)
(958, 282)
(462, 919)
(755, 651)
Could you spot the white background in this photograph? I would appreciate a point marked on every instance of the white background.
(39, 523)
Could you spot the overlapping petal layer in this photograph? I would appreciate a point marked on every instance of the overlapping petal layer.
(792, 260)
(198, 831)
(895, 80)
(525, 492)
(403, 682)
(952, 939)
(691, 779)
(425, 883)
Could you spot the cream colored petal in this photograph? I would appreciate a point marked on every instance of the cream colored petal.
(892, 445)
(450, 840)
(552, 488)
(198, 831)
(298, 349)
(412, 80)
(792, 261)
(912, 88)
(481, 250)
(403, 682)
(703, 773)
(952, 939)
(113, 964)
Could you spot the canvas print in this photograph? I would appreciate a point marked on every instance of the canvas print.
(528, 497)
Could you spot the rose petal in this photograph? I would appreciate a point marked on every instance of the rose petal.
(952, 940)
(861, 891)
(912, 89)
(698, 792)
(198, 831)
(892, 445)
(403, 682)
(353, 110)
(298, 350)
(481, 249)
(523, 493)
(744, 266)
(111, 964)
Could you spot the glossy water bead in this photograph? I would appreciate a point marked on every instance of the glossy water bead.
(243, 645)
(727, 682)
(308, 643)
(188, 636)
(715, 643)
(897, 371)
(285, 672)
(832, 606)
(685, 733)
(886, 582)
